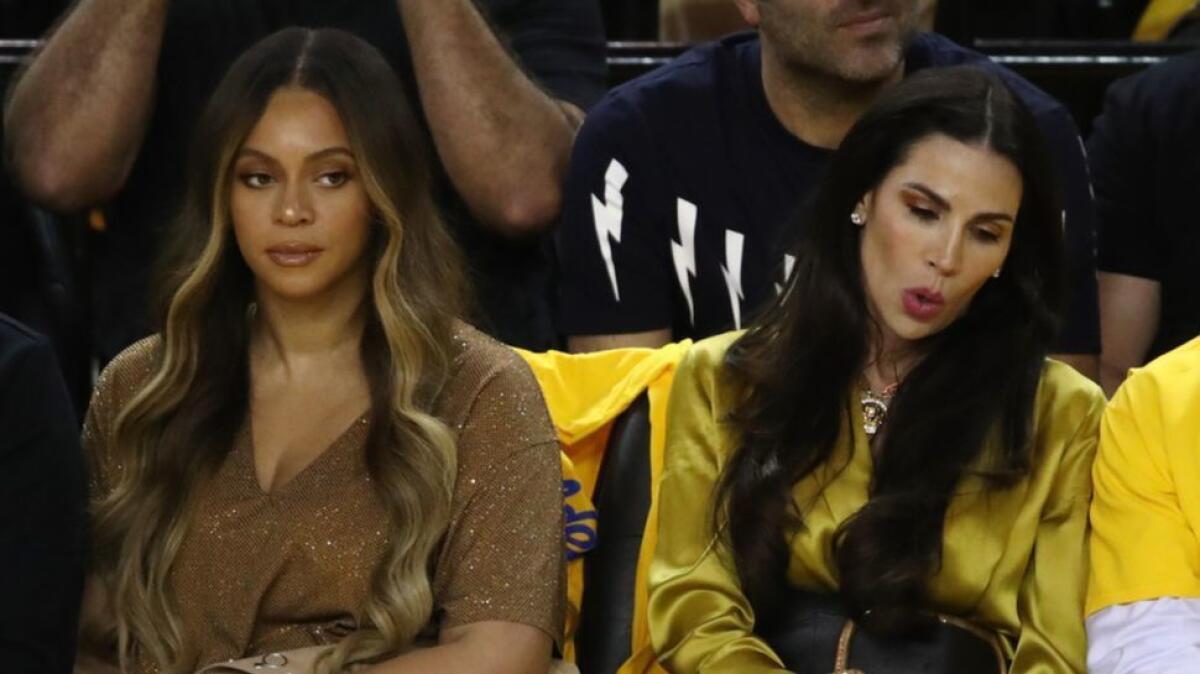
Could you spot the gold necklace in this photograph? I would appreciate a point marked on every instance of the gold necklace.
(875, 407)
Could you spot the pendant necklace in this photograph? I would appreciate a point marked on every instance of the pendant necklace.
(875, 407)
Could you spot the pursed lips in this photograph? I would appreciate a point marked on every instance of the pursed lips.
(928, 294)
(923, 304)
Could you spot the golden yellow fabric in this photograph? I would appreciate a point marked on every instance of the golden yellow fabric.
(1146, 513)
(1160, 18)
(585, 393)
(1013, 561)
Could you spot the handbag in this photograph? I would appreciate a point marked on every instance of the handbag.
(814, 635)
(297, 661)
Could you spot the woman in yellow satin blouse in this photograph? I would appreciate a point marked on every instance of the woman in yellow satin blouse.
(891, 435)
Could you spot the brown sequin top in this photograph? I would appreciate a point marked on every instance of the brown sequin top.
(261, 572)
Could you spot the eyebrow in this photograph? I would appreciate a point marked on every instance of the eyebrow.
(320, 154)
(945, 205)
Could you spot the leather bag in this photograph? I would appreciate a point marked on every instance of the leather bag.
(298, 661)
(814, 635)
(304, 661)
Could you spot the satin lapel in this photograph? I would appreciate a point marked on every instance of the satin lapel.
(984, 526)
(847, 478)
(826, 499)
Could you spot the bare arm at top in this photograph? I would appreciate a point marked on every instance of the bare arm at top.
(503, 141)
(77, 116)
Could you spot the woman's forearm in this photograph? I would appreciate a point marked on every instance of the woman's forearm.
(479, 648)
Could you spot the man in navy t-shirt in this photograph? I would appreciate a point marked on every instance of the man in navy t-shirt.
(682, 181)
(1145, 156)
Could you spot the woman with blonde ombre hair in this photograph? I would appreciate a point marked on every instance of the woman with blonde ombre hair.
(314, 450)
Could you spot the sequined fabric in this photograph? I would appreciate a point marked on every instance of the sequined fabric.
(260, 572)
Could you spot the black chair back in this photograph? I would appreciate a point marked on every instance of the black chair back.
(622, 499)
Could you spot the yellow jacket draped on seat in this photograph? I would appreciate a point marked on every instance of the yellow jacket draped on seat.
(585, 393)
(1013, 561)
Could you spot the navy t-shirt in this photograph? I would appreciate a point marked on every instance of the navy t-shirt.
(560, 43)
(1145, 158)
(682, 182)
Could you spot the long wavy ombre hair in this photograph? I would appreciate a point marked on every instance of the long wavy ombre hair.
(179, 427)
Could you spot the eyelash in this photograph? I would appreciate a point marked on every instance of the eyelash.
(928, 215)
(260, 179)
(986, 236)
(923, 214)
(249, 179)
(342, 177)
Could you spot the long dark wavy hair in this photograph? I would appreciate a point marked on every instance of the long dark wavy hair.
(180, 426)
(976, 381)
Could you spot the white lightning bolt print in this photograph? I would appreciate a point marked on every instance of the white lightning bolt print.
(683, 252)
(789, 263)
(608, 215)
(734, 241)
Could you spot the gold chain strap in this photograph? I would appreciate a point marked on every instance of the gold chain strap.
(843, 651)
(842, 661)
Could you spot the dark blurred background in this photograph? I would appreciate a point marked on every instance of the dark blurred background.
(1071, 48)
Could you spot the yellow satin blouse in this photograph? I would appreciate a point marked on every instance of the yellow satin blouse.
(1013, 561)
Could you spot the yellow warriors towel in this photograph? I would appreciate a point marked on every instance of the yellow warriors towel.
(585, 393)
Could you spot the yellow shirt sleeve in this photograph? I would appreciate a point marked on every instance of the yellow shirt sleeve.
(1160, 18)
(699, 619)
(1143, 544)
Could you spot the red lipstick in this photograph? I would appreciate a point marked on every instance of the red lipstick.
(922, 304)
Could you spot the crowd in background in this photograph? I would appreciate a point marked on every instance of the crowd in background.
(529, 200)
(51, 294)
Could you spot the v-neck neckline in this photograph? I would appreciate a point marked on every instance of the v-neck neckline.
(250, 464)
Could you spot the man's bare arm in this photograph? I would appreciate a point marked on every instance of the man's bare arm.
(1129, 313)
(1085, 363)
(77, 115)
(650, 339)
(504, 142)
